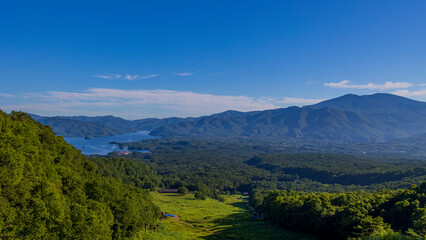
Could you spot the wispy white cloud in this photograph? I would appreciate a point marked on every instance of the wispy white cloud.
(161, 97)
(408, 93)
(7, 95)
(299, 101)
(387, 85)
(182, 74)
(125, 76)
(148, 76)
(131, 77)
(140, 103)
(422, 85)
(109, 76)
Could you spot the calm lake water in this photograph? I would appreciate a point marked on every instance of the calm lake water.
(100, 145)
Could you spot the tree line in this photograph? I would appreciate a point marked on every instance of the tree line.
(398, 213)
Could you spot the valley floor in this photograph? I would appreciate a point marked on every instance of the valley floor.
(211, 219)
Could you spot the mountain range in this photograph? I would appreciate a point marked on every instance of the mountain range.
(349, 118)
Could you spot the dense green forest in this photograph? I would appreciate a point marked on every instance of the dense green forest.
(49, 190)
(241, 166)
(412, 147)
(373, 173)
(351, 214)
(135, 173)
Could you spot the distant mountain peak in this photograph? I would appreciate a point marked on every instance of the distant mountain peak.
(371, 103)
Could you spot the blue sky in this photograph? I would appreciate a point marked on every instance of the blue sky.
(138, 59)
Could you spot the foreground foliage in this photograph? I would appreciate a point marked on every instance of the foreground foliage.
(352, 214)
(48, 190)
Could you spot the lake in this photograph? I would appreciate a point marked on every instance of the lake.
(101, 146)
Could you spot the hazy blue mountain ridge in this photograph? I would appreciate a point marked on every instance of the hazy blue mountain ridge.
(75, 128)
(293, 122)
(349, 118)
(83, 126)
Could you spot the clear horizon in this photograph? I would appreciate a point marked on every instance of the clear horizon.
(167, 59)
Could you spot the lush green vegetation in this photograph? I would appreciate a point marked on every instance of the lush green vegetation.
(345, 170)
(200, 165)
(135, 173)
(412, 147)
(226, 166)
(343, 215)
(48, 190)
(211, 219)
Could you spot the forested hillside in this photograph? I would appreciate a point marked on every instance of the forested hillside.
(48, 190)
(352, 214)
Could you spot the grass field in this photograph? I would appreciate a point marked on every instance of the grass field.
(211, 219)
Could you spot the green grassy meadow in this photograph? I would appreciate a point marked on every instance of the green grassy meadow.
(211, 219)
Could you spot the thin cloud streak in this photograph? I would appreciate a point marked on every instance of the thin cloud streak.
(7, 95)
(131, 77)
(182, 74)
(128, 77)
(302, 101)
(109, 76)
(159, 96)
(142, 103)
(148, 76)
(387, 85)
